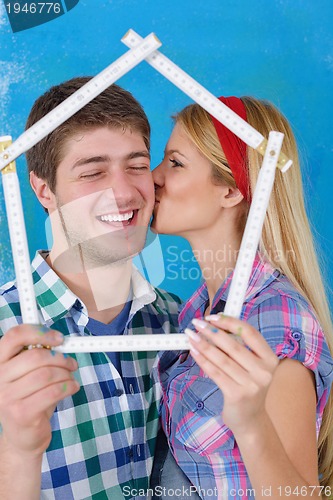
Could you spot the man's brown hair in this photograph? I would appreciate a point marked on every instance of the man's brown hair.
(114, 107)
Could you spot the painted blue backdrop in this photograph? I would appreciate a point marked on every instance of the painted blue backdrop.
(280, 50)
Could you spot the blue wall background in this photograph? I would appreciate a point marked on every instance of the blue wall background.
(281, 50)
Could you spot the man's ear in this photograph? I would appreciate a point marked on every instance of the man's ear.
(230, 197)
(43, 192)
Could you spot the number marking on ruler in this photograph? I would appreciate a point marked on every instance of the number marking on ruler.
(205, 99)
(253, 228)
(79, 99)
(122, 343)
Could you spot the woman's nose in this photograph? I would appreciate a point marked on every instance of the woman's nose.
(158, 175)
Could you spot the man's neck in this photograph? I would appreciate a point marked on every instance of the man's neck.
(108, 315)
(103, 290)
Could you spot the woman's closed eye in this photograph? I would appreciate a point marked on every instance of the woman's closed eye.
(175, 163)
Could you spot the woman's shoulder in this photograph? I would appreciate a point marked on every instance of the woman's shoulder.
(280, 296)
(290, 326)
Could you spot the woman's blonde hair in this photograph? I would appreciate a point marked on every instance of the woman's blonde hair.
(286, 241)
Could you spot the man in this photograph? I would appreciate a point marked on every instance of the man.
(92, 175)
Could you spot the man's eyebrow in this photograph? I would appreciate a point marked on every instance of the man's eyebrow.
(107, 159)
(171, 151)
(138, 154)
(91, 159)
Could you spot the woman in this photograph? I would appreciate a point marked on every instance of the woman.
(242, 420)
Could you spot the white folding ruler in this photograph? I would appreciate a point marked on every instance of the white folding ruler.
(123, 343)
(253, 228)
(272, 158)
(18, 238)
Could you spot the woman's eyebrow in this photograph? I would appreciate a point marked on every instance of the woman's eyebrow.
(171, 151)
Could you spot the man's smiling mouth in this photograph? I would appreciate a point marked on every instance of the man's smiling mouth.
(118, 219)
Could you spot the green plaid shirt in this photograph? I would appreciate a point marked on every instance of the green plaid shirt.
(103, 438)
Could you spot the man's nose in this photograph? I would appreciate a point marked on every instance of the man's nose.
(120, 190)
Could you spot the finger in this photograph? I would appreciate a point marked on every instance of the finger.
(23, 335)
(218, 360)
(248, 333)
(237, 361)
(227, 343)
(222, 380)
(31, 360)
(255, 364)
(43, 400)
(35, 381)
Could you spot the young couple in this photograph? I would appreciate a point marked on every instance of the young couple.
(237, 418)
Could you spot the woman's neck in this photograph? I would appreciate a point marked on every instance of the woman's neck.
(216, 254)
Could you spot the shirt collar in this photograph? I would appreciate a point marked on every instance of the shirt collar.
(262, 275)
(55, 299)
(143, 292)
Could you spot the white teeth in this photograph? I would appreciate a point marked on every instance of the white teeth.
(117, 217)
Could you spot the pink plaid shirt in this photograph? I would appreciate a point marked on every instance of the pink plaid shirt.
(203, 446)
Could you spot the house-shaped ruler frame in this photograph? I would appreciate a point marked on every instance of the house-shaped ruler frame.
(139, 49)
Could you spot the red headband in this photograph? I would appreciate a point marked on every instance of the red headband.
(233, 147)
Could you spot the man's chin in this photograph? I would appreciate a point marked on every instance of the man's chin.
(101, 251)
(77, 260)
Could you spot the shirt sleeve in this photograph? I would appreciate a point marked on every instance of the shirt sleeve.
(292, 331)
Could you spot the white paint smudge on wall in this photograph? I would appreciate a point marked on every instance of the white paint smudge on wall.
(10, 72)
(3, 15)
(329, 61)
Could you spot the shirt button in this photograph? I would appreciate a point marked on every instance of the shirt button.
(138, 450)
(117, 393)
(200, 405)
(131, 388)
(297, 335)
(77, 305)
